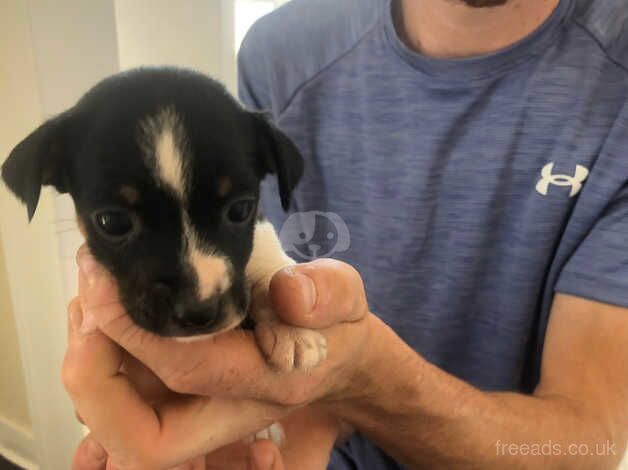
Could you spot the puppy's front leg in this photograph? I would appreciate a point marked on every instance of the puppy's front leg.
(286, 347)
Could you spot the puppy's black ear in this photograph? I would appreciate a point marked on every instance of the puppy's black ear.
(40, 159)
(278, 156)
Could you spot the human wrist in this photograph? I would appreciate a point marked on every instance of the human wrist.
(387, 373)
(354, 376)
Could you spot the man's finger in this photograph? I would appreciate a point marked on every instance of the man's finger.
(98, 293)
(319, 294)
(89, 455)
(264, 455)
(197, 463)
(91, 376)
(234, 457)
(144, 380)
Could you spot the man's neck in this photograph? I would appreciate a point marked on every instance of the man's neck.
(451, 29)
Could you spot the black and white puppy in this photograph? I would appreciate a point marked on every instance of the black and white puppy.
(164, 168)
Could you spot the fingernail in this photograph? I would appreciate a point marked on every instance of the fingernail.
(89, 267)
(309, 292)
(263, 460)
(95, 451)
(308, 287)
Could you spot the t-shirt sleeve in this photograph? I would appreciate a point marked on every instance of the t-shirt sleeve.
(254, 92)
(252, 87)
(598, 269)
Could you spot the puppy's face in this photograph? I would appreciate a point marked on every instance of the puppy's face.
(164, 168)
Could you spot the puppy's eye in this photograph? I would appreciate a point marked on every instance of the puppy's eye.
(114, 224)
(240, 211)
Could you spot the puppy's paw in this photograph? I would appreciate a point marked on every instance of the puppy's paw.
(288, 348)
(274, 432)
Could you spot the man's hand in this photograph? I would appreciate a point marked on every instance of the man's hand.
(121, 405)
(325, 294)
(309, 447)
(141, 423)
(260, 455)
(132, 410)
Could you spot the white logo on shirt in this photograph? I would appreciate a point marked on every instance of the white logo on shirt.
(574, 181)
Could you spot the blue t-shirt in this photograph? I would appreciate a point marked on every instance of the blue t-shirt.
(466, 192)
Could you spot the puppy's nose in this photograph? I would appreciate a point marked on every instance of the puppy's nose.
(164, 288)
(197, 316)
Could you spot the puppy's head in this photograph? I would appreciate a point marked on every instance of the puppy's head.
(164, 168)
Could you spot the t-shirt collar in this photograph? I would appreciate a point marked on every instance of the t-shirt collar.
(481, 67)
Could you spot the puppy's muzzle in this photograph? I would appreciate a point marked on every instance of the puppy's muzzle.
(206, 314)
(181, 313)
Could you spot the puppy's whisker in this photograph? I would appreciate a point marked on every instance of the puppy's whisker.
(66, 230)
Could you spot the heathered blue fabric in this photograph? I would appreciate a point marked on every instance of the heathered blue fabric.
(433, 165)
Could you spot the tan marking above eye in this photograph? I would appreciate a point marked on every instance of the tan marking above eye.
(130, 194)
(224, 186)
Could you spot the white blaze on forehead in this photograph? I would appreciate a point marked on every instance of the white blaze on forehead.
(169, 161)
(164, 144)
(165, 148)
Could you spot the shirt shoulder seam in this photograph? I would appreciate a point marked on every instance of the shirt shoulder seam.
(320, 72)
(602, 47)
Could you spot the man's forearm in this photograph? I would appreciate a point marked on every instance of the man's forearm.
(425, 417)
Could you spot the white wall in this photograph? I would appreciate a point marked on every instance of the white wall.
(50, 52)
(196, 33)
(16, 428)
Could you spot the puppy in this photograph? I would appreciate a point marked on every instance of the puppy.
(164, 168)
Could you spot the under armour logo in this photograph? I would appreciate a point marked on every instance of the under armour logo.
(574, 181)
